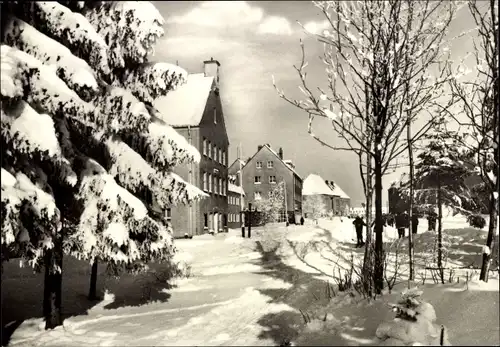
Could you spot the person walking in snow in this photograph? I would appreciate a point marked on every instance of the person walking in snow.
(400, 224)
(358, 225)
(302, 220)
(431, 220)
(414, 223)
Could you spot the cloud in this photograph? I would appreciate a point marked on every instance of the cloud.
(316, 27)
(275, 25)
(233, 14)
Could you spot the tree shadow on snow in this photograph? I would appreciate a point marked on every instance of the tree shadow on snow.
(306, 293)
(22, 292)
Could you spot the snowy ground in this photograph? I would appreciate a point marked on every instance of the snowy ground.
(243, 292)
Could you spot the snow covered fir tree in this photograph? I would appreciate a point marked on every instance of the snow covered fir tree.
(414, 324)
(86, 160)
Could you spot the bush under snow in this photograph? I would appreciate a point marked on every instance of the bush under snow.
(414, 324)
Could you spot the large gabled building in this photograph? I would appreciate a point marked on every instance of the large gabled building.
(195, 111)
(263, 171)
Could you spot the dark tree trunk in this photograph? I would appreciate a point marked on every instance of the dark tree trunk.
(440, 232)
(490, 239)
(494, 203)
(411, 251)
(368, 260)
(53, 287)
(379, 228)
(93, 281)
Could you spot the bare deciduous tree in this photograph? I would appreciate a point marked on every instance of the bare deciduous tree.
(314, 206)
(480, 98)
(372, 51)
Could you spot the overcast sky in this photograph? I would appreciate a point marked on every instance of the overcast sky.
(252, 41)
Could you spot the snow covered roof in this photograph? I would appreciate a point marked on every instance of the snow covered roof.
(185, 105)
(235, 189)
(337, 191)
(314, 184)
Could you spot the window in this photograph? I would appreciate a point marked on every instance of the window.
(272, 179)
(209, 149)
(205, 183)
(257, 196)
(221, 187)
(216, 185)
(258, 165)
(238, 218)
(220, 156)
(224, 158)
(204, 146)
(224, 187)
(210, 182)
(238, 201)
(215, 152)
(215, 115)
(270, 164)
(257, 180)
(205, 217)
(168, 214)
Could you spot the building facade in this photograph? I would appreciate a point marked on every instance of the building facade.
(261, 174)
(194, 110)
(234, 170)
(235, 200)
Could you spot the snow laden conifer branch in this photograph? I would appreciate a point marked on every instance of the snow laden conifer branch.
(30, 217)
(87, 164)
(71, 29)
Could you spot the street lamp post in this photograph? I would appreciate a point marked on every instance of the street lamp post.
(286, 206)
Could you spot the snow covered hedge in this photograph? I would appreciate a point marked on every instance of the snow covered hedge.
(86, 161)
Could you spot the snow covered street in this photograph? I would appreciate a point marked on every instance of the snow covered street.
(239, 292)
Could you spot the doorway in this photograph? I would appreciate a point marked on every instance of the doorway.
(216, 222)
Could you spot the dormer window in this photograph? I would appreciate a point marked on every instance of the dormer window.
(215, 115)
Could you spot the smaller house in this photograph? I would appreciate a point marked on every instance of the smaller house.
(336, 201)
(236, 201)
(315, 186)
(234, 170)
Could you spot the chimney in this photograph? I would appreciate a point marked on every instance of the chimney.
(212, 70)
(280, 153)
(259, 147)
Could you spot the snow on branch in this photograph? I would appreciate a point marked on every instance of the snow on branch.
(71, 29)
(43, 88)
(130, 28)
(25, 131)
(10, 75)
(152, 80)
(135, 174)
(30, 217)
(114, 225)
(162, 146)
(118, 110)
(71, 69)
